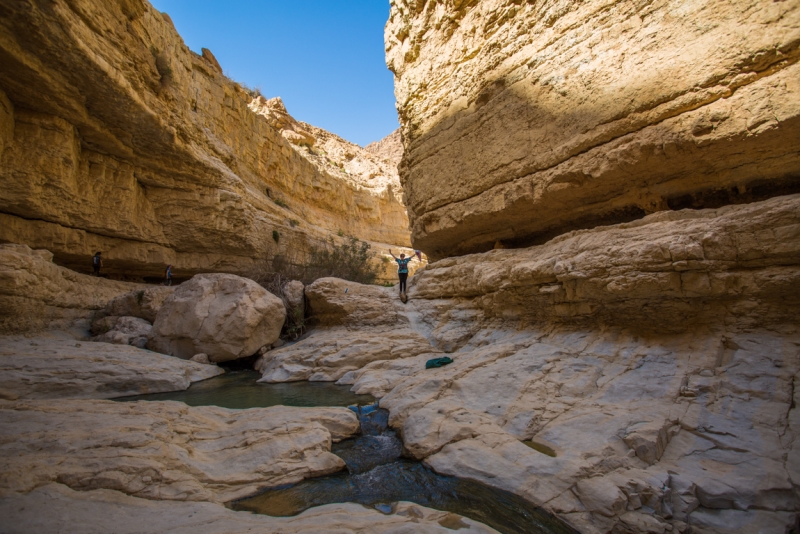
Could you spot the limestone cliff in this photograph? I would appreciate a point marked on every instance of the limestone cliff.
(114, 136)
(389, 149)
(523, 120)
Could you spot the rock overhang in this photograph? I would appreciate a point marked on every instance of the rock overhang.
(521, 122)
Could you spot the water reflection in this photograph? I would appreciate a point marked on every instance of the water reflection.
(239, 390)
(406, 480)
(378, 477)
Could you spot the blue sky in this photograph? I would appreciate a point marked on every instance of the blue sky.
(324, 58)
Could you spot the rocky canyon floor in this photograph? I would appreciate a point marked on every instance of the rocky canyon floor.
(608, 193)
(645, 391)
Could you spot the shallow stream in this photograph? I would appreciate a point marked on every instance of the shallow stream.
(377, 473)
(240, 390)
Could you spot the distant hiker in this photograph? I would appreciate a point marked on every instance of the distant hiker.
(402, 269)
(168, 275)
(97, 262)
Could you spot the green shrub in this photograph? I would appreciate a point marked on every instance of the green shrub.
(352, 260)
(276, 236)
(280, 202)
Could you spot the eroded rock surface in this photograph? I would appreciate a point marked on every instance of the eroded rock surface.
(329, 354)
(143, 303)
(57, 366)
(124, 331)
(114, 136)
(222, 315)
(523, 120)
(36, 294)
(660, 426)
(166, 450)
(736, 264)
(104, 511)
(630, 378)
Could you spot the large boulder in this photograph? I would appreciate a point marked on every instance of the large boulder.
(222, 315)
(333, 301)
(143, 303)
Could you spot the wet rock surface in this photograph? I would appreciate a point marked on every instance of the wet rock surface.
(100, 511)
(379, 478)
(377, 445)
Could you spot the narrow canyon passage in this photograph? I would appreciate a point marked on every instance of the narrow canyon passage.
(596, 207)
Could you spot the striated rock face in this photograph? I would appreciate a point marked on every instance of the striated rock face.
(737, 265)
(222, 315)
(330, 354)
(167, 450)
(36, 294)
(114, 136)
(523, 120)
(59, 367)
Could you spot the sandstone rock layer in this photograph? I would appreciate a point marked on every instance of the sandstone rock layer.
(36, 294)
(523, 120)
(630, 378)
(114, 136)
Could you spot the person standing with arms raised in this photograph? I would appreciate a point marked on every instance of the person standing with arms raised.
(402, 269)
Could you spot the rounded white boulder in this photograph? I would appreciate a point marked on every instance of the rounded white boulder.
(222, 315)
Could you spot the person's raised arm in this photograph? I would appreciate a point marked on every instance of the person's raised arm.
(392, 255)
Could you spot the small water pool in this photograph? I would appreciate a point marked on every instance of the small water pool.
(378, 476)
(240, 390)
(405, 480)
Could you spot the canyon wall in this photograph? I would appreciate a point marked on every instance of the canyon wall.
(524, 120)
(114, 136)
(609, 191)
